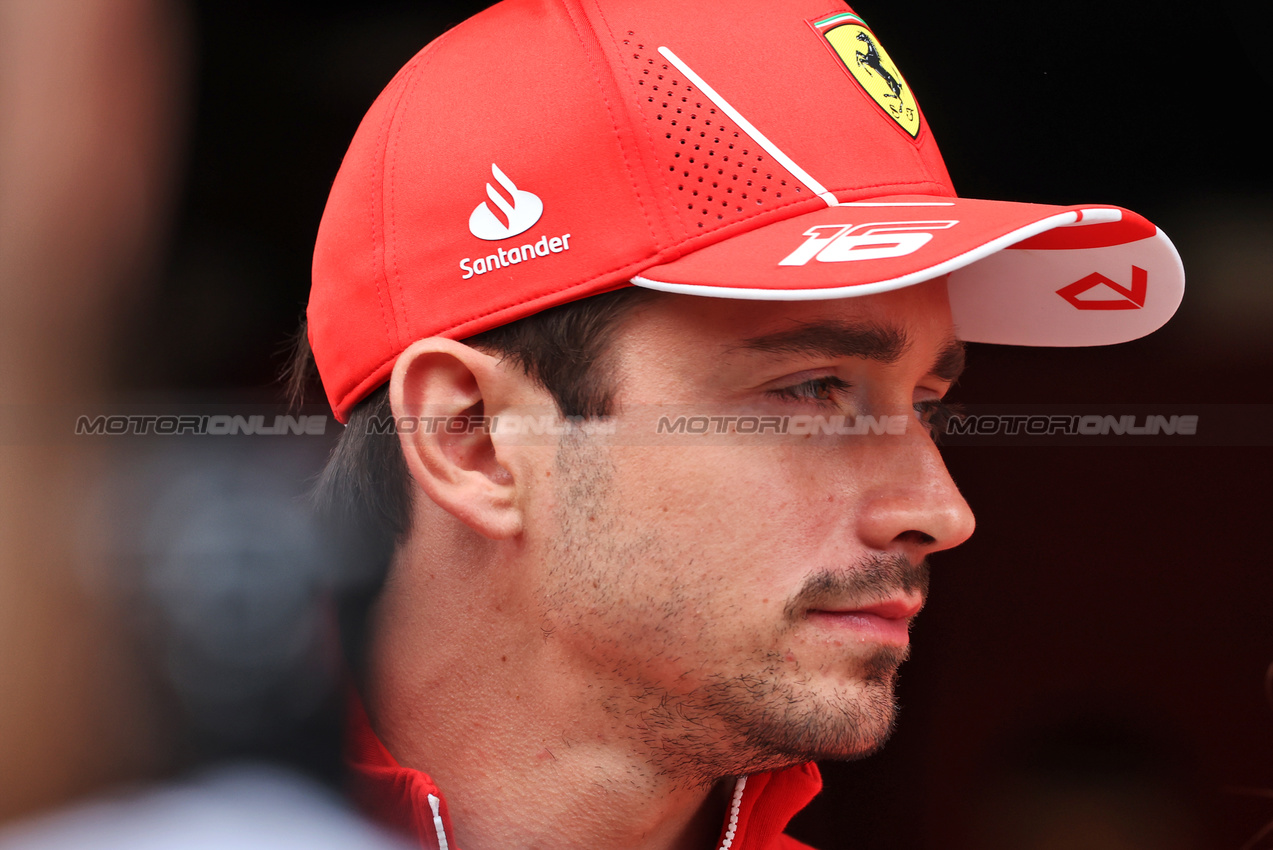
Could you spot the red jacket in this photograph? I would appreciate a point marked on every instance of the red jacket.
(407, 800)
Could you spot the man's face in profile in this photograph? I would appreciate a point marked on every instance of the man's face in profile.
(737, 604)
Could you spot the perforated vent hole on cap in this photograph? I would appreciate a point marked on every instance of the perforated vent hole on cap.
(717, 170)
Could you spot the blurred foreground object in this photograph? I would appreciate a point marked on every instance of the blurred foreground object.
(245, 806)
(91, 98)
(232, 585)
(163, 607)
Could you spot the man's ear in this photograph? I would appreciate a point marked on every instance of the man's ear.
(440, 392)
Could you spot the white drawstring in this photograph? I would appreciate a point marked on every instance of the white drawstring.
(435, 804)
(734, 806)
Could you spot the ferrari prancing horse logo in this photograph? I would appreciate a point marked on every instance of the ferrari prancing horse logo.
(871, 66)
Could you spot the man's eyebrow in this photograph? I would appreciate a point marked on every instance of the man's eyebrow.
(870, 341)
(949, 364)
(881, 343)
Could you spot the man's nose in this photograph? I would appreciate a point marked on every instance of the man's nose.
(911, 503)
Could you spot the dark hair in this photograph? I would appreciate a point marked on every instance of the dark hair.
(364, 493)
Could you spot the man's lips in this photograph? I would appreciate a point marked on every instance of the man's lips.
(887, 621)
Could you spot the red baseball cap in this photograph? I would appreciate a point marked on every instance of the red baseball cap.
(548, 150)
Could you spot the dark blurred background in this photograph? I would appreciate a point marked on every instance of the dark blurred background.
(1090, 671)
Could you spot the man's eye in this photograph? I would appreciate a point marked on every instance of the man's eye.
(824, 390)
(935, 415)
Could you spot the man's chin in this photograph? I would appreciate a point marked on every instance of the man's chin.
(776, 722)
(854, 720)
(864, 730)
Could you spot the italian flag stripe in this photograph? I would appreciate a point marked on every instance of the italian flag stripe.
(842, 18)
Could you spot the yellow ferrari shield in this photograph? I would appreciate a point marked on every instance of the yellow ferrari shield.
(875, 72)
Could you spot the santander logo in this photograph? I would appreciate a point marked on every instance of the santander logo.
(519, 216)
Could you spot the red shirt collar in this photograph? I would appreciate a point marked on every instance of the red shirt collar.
(407, 800)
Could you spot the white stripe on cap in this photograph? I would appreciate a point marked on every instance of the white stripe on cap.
(747, 127)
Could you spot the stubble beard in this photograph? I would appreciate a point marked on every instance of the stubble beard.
(729, 723)
(788, 718)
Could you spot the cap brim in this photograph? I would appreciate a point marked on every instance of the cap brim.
(1020, 274)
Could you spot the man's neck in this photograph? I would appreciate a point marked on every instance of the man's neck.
(526, 754)
(511, 783)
